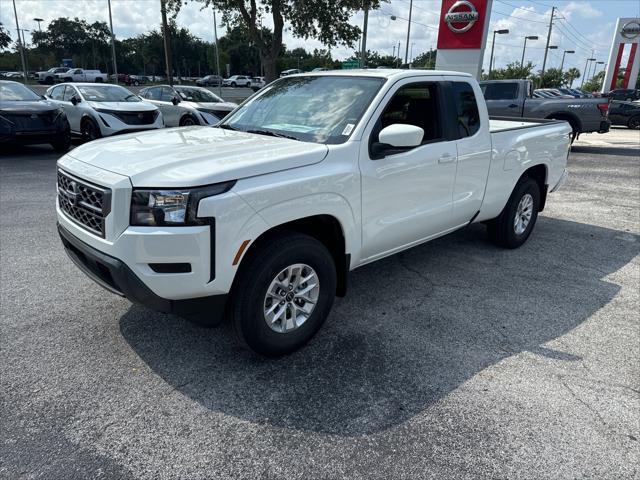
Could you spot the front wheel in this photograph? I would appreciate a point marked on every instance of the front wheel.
(188, 121)
(62, 142)
(514, 225)
(233, 84)
(90, 130)
(284, 292)
(634, 123)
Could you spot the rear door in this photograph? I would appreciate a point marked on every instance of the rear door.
(407, 196)
(473, 148)
(504, 99)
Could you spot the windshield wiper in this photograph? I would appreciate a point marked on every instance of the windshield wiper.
(227, 127)
(272, 134)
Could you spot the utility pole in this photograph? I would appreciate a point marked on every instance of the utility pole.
(406, 48)
(215, 35)
(113, 44)
(363, 52)
(167, 43)
(546, 48)
(39, 20)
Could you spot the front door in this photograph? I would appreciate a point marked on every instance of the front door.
(74, 113)
(407, 197)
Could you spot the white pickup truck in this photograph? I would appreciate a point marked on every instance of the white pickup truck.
(261, 218)
(81, 75)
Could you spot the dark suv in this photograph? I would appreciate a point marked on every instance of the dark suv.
(624, 94)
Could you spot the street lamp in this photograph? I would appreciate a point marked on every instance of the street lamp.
(39, 20)
(531, 37)
(493, 44)
(562, 63)
(585, 70)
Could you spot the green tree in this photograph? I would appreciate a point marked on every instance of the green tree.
(552, 78)
(511, 71)
(426, 60)
(570, 76)
(594, 84)
(5, 39)
(375, 60)
(325, 20)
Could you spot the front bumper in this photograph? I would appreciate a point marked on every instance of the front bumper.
(116, 277)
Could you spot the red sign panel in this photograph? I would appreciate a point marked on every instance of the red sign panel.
(462, 23)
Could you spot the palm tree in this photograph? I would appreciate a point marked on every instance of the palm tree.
(570, 75)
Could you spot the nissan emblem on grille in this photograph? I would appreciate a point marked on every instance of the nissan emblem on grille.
(84, 203)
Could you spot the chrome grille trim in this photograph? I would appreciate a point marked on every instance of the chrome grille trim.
(83, 202)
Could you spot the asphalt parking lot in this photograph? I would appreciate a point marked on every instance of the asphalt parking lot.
(455, 359)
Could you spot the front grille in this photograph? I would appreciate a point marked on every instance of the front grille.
(31, 122)
(83, 202)
(135, 118)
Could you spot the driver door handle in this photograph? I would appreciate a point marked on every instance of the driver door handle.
(513, 105)
(446, 158)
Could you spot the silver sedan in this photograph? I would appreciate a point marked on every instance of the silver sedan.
(183, 105)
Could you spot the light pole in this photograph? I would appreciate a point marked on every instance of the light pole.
(24, 63)
(215, 35)
(585, 70)
(531, 37)
(39, 20)
(363, 52)
(24, 44)
(493, 44)
(113, 43)
(564, 53)
(406, 48)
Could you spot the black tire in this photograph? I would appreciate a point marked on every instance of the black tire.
(136, 83)
(90, 130)
(257, 272)
(233, 84)
(62, 142)
(502, 230)
(98, 80)
(48, 80)
(188, 121)
(68, 79)
(248, 84)
(634, 123)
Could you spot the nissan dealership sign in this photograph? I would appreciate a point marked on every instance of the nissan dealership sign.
(462, 35)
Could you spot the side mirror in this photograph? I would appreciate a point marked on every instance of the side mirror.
(396, 138)
(75, 100)
(175, 100)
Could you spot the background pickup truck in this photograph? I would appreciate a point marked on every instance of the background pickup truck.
(513, 98)
(48, 77)
(261, 218)
(80, 75)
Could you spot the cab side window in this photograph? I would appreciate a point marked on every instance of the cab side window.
(167, 94)
(414, 104)
(68, 93)
(153, 93)
(468, 117)
(57, 93)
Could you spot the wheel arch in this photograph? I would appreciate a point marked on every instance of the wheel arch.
(325, 228)
(571, 118)
(538, 173)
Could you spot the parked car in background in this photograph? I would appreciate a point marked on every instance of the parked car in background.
(291, 71)
(542, 94)
(127, 79)
(513, 98)
(48, 77)
(96, 111)
(185, 105)
(569, 92)
(81, 75)
(26, 118)
(257, 83)
(320, 69)
(237, 81)
(624, 94)
(625, 113)
(554, 92)
(209, 81)
(263, 216)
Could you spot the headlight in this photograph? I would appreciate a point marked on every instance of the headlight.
(210, 117)
(176, 207)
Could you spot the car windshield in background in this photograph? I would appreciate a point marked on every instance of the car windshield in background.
(322, 109)
(14, 92)
(199, 95)
(107, 93)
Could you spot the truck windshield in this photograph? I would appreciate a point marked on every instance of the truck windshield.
(16, 92)
(107, 93)
(321, 109)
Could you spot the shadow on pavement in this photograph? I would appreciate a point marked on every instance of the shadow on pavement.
(413, 328)
(630, 151)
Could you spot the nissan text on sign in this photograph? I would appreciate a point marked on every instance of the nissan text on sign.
(462, 35)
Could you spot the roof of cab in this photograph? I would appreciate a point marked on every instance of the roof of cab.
(384, 73)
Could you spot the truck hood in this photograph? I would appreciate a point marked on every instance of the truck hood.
(194, 156)
(123, 106)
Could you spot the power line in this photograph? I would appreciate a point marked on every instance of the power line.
(519, 18)
(520, 7)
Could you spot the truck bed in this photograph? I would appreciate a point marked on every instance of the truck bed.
(501, 124)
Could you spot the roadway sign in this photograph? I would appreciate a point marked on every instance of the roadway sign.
(350, 64)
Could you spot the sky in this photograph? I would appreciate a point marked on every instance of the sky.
(582, 25)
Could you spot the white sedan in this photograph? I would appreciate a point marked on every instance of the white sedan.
(96, 111)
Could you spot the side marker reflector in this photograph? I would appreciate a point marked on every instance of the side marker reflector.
(240, 252)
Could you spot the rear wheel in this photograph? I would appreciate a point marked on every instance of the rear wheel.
(514, 225)
(90, 130)
(187, 121)
(283, 294)
(233, 84)
(98, 80)
(634, 123)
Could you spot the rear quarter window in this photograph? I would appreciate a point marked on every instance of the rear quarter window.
(468, 117)
(500, 91)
